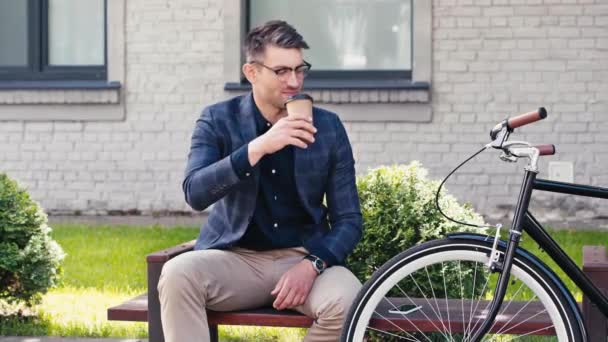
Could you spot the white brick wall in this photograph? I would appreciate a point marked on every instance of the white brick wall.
(490, 59)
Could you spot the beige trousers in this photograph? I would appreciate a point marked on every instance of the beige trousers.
(225, 280)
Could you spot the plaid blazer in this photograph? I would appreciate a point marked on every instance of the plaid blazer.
(325, 168)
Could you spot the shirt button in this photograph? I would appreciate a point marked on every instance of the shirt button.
(276, 225)
(273, 171)
(247, 174)
(268, 124)
(275, 198)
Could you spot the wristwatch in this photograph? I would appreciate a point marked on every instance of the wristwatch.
(317, 263)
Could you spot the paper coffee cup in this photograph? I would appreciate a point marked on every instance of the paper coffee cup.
(299, 106)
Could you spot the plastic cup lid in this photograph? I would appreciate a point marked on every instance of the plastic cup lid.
(300, 96)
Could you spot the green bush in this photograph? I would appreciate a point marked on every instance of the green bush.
(29, 258)
(398, 207)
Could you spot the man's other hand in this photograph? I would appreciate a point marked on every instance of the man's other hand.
(294, 286)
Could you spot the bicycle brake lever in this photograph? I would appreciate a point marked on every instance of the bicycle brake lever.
(499, 134)
(508, 157)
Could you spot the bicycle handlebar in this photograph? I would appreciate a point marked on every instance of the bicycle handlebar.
(546, 150)
(524, 119)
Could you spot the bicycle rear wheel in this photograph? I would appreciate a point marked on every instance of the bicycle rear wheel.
(440, 291)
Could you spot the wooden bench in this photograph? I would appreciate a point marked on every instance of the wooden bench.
(146, 307)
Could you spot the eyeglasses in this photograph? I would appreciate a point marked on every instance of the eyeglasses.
(284, 73)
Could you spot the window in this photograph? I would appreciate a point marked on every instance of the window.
(348, 39)
(53, 40)
(66, 53)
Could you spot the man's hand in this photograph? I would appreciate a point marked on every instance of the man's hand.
(286, 131)
(294, 286)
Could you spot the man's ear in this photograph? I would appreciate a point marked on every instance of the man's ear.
(250, 72)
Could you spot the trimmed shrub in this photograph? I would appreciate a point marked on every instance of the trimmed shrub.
(398, 207)
(29, 257)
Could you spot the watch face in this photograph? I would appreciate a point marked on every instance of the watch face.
(319, 264)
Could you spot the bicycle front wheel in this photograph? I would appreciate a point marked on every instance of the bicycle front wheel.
(441, 290)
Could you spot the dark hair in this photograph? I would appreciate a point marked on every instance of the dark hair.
(275, 32)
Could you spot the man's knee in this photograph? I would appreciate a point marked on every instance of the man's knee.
(176, 278)
(346, 289)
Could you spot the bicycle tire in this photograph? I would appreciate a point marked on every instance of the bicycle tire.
(552, 296)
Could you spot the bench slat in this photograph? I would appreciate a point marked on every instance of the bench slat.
(260, 317)
(528, 318)
(136, 309)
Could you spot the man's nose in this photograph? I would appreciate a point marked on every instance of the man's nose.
(293, 81)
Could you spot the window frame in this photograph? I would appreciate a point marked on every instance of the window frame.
(340, 75)
(38, 68)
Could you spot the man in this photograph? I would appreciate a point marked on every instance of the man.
(269, 239)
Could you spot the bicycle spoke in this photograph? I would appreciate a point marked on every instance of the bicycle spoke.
(483, 318)
(529, 333)
(429, 303)
(507, 306)
(398, 327)
(524, 321)
(461, 293)
(391, 334)
(428, 277)
(447, 305)
(483, 290)
(466, 331)
(402, 314)
(515, 315)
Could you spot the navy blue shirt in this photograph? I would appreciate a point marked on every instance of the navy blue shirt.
(279, 217)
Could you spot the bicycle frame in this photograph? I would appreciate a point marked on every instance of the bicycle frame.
(540, 235)
(523, 220)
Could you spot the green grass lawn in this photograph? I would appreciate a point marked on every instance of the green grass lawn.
(572, 242)
(106, 265)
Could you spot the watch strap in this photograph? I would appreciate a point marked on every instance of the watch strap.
(317, 263)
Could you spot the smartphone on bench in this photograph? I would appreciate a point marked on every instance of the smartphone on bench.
(405, 309)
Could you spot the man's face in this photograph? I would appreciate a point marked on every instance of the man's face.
(275, 79)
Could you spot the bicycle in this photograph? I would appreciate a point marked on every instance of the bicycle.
(466, 275)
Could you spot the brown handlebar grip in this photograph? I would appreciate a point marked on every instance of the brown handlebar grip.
(527, 118)
(546, 150)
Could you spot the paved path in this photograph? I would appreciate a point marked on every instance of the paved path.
(195, 220)
(66, 339)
